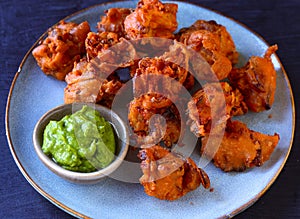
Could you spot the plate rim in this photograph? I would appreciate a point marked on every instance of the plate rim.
(75, 213)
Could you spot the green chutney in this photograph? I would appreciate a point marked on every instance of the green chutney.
(81, 142)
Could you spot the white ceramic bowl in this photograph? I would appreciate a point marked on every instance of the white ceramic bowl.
(57, 113)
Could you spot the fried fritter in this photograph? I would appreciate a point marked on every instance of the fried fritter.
(200, 106)
(108, 90)
(257, 81)
(168, 77)
(95, 79)
(160, 66)
(152, 18)
(139, 115)
(188, 60)
(168, 175)
(157, 85)
(84, 84)
(113, 21)
(241, 147)
(117, 55)
(63, 46)
(226, 46)
(96, 43)
(140, 112)
(213, 43)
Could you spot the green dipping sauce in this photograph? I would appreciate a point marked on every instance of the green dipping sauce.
(81, 142)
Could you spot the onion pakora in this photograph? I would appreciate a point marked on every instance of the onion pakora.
(241, 147)
(64, 45)
(200, 106)
(140, 112)
(84, 84)
(113, 21)
(152, 18)
(257, 81)
(214, 44)
(157, 98)
(96, 43)
(168, 77)
(226, 44)
(168, 175)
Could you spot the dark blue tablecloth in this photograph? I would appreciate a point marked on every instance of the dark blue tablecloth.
(21, 24)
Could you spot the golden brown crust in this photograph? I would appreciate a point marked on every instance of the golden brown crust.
(169, 176)
(143, 108)
(113, 21)
(63, 46)
(96, 43)
(84, 84)
(213, 43)
(152, 18)
(212, 94)
(227, 46)
(168, 77)
(241, 147)
(257, 81)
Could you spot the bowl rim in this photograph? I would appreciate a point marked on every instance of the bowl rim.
(81, 176)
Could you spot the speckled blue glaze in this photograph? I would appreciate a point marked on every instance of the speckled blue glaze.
(33, 94)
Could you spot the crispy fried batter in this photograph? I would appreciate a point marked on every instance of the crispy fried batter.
(113, 21)
(152, 18)
(169, 176)
(157, 84)
(63, 46)
(118, 55)
(94, 79)
(143, 108)
(214, 44)
(188, 60)
(168, 77)
(173, 126)
(160, 66)
(108, 90)
(227, 46)
(241, 147)
(200, 110)
(205, 66)
(84, 84)
(257, 81)
(139, 115)
(96, 43)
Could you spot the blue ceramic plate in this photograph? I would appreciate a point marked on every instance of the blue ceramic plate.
(32, 94)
